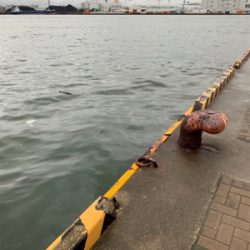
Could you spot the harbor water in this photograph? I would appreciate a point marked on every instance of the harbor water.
(83, 96)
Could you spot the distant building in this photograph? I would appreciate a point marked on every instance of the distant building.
(247, 7)
(225, 6)
(91, 5)
(135, 9)
(192, 7)
(2, 10)
(102, 5)
(115, 6)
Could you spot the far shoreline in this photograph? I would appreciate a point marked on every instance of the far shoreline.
(126, 14)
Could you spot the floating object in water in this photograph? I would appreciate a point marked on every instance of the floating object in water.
(198, 121)
(65, 92)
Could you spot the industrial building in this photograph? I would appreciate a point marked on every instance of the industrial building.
(102, 5)
(226, 6)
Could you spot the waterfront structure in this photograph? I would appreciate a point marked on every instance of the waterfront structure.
(91, 5)
(68, 9)
(2, 10)
(102, 5)
(225, 6)
(140, 9)
(192, 7)
(21, 9)
(115, 6)
(34, 6)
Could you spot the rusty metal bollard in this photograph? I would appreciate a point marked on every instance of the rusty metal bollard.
(204, 120)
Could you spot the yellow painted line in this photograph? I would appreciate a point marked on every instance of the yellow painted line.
(216, 83)
(222, 83)
(229, 74)
(172, 128)
(232, 70)
(189, 110)
(204, 104)
(156, 145)
(208, 94)
(163, 138)
(123, 179)
(93, 220)
(226, 77)
(216, 92)
(55, 243)
(213, 91)
(203, 101)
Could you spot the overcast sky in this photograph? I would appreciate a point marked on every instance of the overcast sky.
(43, 3)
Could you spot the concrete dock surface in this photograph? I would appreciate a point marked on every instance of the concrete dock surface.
(169, 207)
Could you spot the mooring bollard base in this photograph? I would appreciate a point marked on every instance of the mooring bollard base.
(192, 126)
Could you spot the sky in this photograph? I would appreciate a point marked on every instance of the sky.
(77, 3)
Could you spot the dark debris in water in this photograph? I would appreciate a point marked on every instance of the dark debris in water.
(65, 92)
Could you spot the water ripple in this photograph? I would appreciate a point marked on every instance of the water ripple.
(149, 83)
(113, 92)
